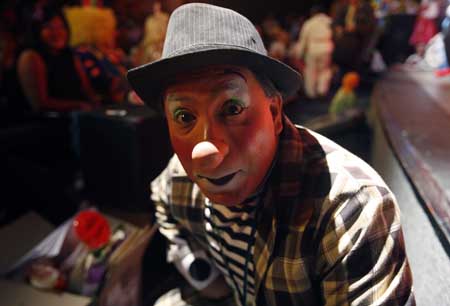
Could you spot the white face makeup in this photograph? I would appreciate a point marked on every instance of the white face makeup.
(224, 130)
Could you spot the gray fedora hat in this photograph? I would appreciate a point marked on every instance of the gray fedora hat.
(200, 35)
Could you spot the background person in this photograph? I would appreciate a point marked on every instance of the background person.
(51, 77)
(315, 45)
(425, 26)
(354, 26)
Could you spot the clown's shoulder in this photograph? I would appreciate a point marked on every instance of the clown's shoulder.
(350, 176)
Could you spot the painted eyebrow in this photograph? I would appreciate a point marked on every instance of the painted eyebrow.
(229, 84)
(226, 85)
(172, 97)
(231, 71)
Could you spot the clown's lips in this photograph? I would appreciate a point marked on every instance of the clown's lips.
(221, 180)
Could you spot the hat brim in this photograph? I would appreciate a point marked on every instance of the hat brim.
(148, 80)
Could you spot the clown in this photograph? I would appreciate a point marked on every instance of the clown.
(257, 210)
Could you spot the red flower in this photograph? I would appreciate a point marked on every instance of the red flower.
(92, 228)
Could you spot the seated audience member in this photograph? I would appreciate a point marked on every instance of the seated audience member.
(106, 70)
(50, 75)
(257, 210)
(94, 37)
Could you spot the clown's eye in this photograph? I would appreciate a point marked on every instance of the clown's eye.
(184, 117)
(233, 107)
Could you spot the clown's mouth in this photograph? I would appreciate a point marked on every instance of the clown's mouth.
(219, 181)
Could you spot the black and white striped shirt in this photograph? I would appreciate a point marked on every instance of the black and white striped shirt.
(229, 235)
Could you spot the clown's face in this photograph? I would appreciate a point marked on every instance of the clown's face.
(224, 130)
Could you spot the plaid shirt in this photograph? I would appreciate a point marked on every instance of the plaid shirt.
(329, 232)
